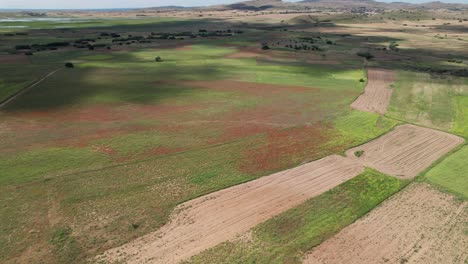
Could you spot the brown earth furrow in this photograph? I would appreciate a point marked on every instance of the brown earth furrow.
(414, 154)
(249, 187)
(377, 94)
(405, 151)
(210, 220)
(418, 225)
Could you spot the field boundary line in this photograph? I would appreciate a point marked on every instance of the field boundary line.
(26, 89)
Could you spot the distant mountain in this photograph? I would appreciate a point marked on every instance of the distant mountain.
(338, 5)
(262, 5)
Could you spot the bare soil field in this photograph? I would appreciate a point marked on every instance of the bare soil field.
(377, 95)
(418, 225)
(405, 151)
(209, 220)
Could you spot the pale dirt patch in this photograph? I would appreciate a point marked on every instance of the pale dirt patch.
(418, 225)
(212, 219)
(406, 151)
(377, 94)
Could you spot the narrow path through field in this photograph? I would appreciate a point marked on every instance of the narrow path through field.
(26, 89)
(377, 94)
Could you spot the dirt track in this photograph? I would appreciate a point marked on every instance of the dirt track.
(23, 91)
(405, 151)
(209, 220)
(418, 225)
(377, 94)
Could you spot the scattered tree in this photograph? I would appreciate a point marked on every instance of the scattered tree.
(69, 65)
(158, 59)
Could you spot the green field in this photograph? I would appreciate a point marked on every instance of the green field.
(100, 154)
(429, 101)
(450, 174)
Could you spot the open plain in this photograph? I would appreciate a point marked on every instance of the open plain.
(256, 132)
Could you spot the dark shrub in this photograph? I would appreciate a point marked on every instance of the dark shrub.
(69, 65)
(22, 47)
(265, 47)
(359, 153)
(158, 59)
(365, 54)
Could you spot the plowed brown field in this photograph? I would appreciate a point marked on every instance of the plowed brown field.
(377, 94)
(405, 151)
(209, 220)
(418, 225)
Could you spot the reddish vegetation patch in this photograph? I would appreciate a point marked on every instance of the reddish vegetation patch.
(68, 127)
(241, 131)
(281, 147)
(106, 113)
(14, 59)
(258, 89)
(106, 150)
(152, 152)
(161, 150)
(184, 48)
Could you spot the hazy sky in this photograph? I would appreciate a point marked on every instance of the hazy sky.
(57, 4)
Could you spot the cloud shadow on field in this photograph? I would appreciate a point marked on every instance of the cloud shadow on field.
(129, 78)
(109, 85)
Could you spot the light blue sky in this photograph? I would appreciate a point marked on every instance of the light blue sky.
(83, 4)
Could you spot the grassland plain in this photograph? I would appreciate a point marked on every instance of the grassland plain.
(100, 154)
(430, 101)
(450, 173)
(287, 237)
(94, 161)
